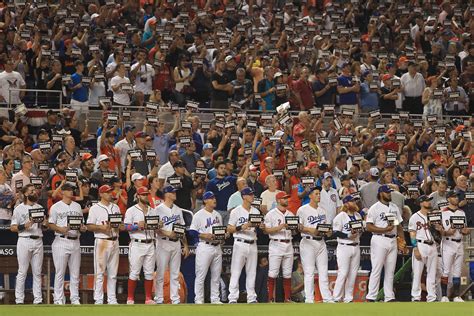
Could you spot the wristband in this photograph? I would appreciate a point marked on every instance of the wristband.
(238, 228)
(414, 242)
(21, 227)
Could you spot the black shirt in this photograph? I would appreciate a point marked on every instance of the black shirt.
(183, 195)
(219, 95)
(2, 142)
(386, 105)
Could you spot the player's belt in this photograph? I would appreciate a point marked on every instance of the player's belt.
(282, 240)
(31, 237)
(313, 238)
(170, 239)
(388, 236)
(143, 241)
(455, 240)
(428, 242)
(352, 244)
(212, 243)
(69, 237)
(250, 242)
(110, 238)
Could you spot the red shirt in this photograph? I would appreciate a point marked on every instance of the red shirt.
(298, 135)
(294, 202)
(303, 87)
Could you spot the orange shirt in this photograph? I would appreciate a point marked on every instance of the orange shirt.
(54, 184)
(112, 153)
(122, 206)
(294, 201)
(154, 200)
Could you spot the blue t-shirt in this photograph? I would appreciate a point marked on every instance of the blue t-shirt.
(305, 200)
(350, 97)
(146, 36)
(81, 94)
(368, 100)
(222, 188)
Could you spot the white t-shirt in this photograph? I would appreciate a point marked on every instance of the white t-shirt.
(12, 80)
(120, 96)
(341, 224)
(99, 215)
(203, 221)
(146, 73)
(134, 215)
(275, 218)
(59, 213)
(311, 217)
(377, 215)
(166, 171)
(123, 147)
(238, 217)
(418, 223)
(269, 199)
(21, 215)
(330, 202)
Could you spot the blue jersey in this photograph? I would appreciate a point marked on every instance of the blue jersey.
(222, 188)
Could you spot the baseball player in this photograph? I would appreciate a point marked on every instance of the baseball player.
(208, 251)
(168, 245)
(106, 245)
(66, 246)
(424, 251)
(384, 221)
(452, 251)
(348, 251)
(280, 249)
(141, 249)
(29, 246)
(245, 247)
(313, 249)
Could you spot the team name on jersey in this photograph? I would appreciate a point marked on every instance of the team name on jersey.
(171, 219)
(242, 220)
(316, 219)
(222, 185)
(65, 214)
(420, 225)
(211, 221)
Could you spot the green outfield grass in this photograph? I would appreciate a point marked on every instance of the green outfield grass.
(383, 309)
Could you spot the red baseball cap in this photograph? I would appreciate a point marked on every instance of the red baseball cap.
(86, 156)
(105, 189)
(140, 134)
(142, 191)
(311, 164)
(282, 195)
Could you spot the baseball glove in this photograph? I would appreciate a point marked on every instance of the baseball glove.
(402, 246)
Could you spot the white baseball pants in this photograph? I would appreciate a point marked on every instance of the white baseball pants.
(29, 250)
(168, 254)
(106, 257)
(348, 262)
(429, 258)
(207, 256)
(66, 253)
(243, 254)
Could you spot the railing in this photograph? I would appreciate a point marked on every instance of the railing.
(36, 102)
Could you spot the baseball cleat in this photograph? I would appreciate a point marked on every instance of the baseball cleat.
(217, 303)
(130, 302)
(458, 299)
(75, 303)
(150, 302)
(98, 303)
(370, 301)
(198, 302)
(444, 299)
(232, 302)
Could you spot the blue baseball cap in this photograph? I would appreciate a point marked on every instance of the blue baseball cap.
(348, 198)
(246, 191)
(314, 188)
(385, 189)
(128, 128)
(169, 189)
(208, 195)
(207, 146)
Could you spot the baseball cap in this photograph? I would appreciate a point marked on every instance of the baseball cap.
(277, 74)
(424, 198)
(169, 189)
(374, 172)
(385, 189)
(327, 175)
(208, 195)
(323, 166)
(402, 59)
(345, 177)
(137, 176)
(311, 164)
(387, 77)
(451, 194)
(282, 195)
(67, 187)
(105, 188)
(207, 146)
(345, 64)
(102, 158)
(142, 191)
(58, 161)
(87, 156)
(390, 132)
(140, 134)
(459, 128)
(314, 188)
(128, 128)
(228, 58)
(348, 198)
(246, 191)
(178, 164)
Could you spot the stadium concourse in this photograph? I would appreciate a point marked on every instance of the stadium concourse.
(152, 150)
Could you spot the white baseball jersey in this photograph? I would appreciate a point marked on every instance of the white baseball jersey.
(21, 215)
(275, 218)
(446, 219)
(59, 213)
(311, 217)
(204, 220)
(99, 215)
(168, 216)
(330, 202)
(341, 224)
(419, 223)
(238, 217)
(377, 215)
(134, 215)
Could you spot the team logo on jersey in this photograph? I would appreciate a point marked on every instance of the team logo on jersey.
(223, 185)
(333, 198)
(167, 220)
(242, 220)
(316, 219)
(210, 221)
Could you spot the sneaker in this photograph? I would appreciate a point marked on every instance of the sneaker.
(150, 302)
(98, 303)
(458, 299)
(217, 303)
(232, 302)
(391, 301)
(130, 302)
(444, 299)
(198, 302)
(113, 303)
(330, 302)
(309, 302)
(253, 302)
(58, 303)
(76, 302)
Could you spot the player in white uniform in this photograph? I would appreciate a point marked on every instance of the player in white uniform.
(384, 221)
(348, 250)
(66, 246)
(106, 245)
(141, 249)
(280, 248)
(208, 251)
(313, 249)
(452, 251)
(245, 247)
(29, 246)
(424, 251)
(168, 245)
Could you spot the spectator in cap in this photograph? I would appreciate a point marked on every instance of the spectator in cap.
(368, 192)
(107, 142)
(134, 182)
(348, 88)
(185, 193)
(190, 158)
(253, 183)
(56, 181)
(167, 169)
(119, 194)
(139, 157)
(123, 146)
(388, 95)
